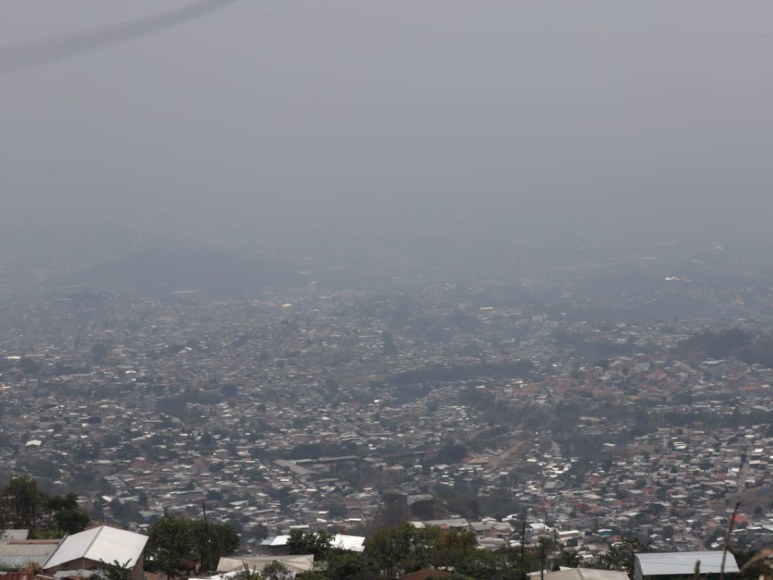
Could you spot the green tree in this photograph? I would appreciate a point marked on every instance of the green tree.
(502, 565)
(170, 539)
(276, 571)
(742, 557)
(247, 573)
(452, 547)
(99, 353)
(28, 367)
(213, 541)
(621, 556)
(317, 543)
(21, 502)
(71, 521)
(566, 559)
(116, 571)
(389, 547)
(351, 566)
(389, 347)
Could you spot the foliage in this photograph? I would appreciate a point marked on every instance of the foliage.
(621, 556)
(317, 543)
(743, 557)
(389, 347)
(23, 506)
(247, 573)
(350, 566)
(404, 548)
(566, 559)
(115, 570)
(213, 541)
(275, 571)
(502, 564)
(172, 539)
(451, 453)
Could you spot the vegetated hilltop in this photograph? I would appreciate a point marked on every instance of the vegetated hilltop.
(161, 271)
(751, 348)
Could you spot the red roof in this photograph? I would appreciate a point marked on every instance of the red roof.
(422, 574)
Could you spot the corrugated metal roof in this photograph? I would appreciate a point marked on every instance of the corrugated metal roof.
(77, 573)
(14, 534)
(657, 564)
(16, 562)
(17, 575)
(17, 554)
(353, 543)
(582, 574)
(27, 549)
(101, 543)
(304, 563)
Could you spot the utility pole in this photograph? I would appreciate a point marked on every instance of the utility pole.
(523, 550)
(205, 552)
(169, 560)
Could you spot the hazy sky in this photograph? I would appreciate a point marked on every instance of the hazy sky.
(286, 110)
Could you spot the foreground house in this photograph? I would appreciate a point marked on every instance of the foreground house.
(580, 574)
(90, 550)
(677, 565)
(16, 551)
(235, 564)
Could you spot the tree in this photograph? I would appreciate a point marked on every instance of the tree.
(22, 503)
(350, 566)
(621, 556)
(28, 367)
(451, 453)
(116, 570)
(566, 559)
(170, 539)
(247, 573)
(452, 547)
(389, 547)
(23, 506)
(276, 571)
(71, 521)
(99, 353)
(317, 543)
(213, 541)
(389, 347)
(742, 557)
(502, 564)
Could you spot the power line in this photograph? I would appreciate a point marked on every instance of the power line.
(18, 58)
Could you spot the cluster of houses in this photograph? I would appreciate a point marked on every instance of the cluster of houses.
(90, 553)
(300, 411)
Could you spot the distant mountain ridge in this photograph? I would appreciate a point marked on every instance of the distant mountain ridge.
(154, 272)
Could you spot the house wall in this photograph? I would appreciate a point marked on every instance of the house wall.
(137, 573)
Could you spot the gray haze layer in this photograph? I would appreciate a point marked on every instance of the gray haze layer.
(310, 119)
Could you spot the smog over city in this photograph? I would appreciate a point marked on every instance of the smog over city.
(386, 290)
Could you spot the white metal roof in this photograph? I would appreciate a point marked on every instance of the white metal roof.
(101, 543)
(581, 574)
(341, 541)
(236, 564)
(14, 534)
(352, 543)
(668, 563)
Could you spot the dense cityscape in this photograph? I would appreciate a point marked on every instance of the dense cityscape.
(349, 411)
(386, 291)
